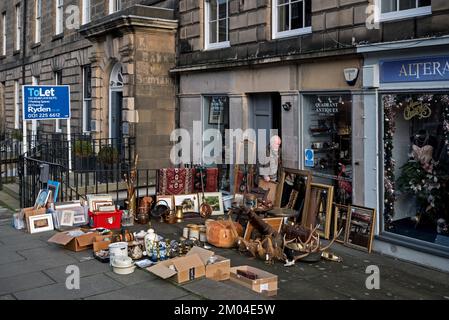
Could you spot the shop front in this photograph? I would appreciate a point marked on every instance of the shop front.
(408, 95)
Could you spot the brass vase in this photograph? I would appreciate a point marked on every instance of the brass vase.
(132, 204)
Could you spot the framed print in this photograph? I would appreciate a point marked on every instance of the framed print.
(42, 198)
(40, 223)
(189, 202)
(340, 221)
(276, 223)
(217, 109)
(79, 219)
(360, 228)
(320, 208)
(54, 187)
(67, 218)
(168, 199)
(215, 200)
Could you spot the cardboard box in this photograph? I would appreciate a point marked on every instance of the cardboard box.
(182, 269)
(218, 271)
(266, 283)
(79, 243)
(28, 212)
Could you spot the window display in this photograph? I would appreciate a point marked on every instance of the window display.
(328, 142)
(416, 155)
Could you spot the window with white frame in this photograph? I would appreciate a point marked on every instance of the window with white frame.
(402, 9)
(87, 98)
(18, 27)
(86, 12)
(217, 24)
(291, 18)
(16, 104)
(59, 23)
(58, 81)
(115, 5)
(4, 34)
(37, 20)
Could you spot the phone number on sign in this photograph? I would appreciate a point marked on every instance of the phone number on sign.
(44, 115)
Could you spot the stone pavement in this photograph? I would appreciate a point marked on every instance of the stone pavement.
(31, 268)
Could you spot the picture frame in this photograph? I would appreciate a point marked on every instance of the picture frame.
(360, 228)
(168, 198)
(67, 218)
(216, 110)
(289, 180)
(189, 202)
(41, 223)
(79, 219)
(215, 200)
(276, 223)
(95, 198)
(320, 209)
(42, 198)
(341, 212)
(54, 187)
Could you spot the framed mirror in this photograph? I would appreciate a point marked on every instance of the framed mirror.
(340, 221)
(293, 190)
(360, 228)
(320, 209)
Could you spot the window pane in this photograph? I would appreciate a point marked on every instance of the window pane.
(407, 4)
(423, 3)
(389, 6)
(212, 32)
(282, 1)
(297, 15)
(212, 10)
(222, 9)
(308, 18)
(87, 83)
(222, 30)
(283, 17)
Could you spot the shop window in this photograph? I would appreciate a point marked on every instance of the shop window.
(291, 18)
(216, 116)
(328, 142)
(402, 9)
(416, 159)
(217, 24)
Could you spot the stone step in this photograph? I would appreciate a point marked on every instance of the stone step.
(8, 202)
(12, 189)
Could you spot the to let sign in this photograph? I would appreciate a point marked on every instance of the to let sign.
(415, 70)
(46, 102)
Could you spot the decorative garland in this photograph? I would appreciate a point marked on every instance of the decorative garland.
(391, 107)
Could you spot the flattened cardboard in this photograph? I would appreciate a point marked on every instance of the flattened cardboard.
(266, 284)
(202, 253)
(187, 268)
(80, 243)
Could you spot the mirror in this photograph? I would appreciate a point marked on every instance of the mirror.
(320, 209)
(294, 190)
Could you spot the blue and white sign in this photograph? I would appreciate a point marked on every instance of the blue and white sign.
(415, 70)
(309, 158)
(46, 102)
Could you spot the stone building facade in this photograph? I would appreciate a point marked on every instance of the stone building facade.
(275, 64)
(96, 44)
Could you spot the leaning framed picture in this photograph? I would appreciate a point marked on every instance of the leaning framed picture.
(320, 208)
(340, 221)
(54, 187)
(40, 223)
(215, 200)
(42, 198)
(67, 218)
(276, 223)
(188, 202)
(360, 228)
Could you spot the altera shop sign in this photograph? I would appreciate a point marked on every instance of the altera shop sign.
(415, 70)
(46, 102)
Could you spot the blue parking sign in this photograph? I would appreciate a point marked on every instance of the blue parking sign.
(46, 102)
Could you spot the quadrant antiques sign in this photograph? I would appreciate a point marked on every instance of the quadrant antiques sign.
(415, 70)
(327, 106)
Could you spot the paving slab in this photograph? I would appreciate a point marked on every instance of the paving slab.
(24, 282)
(215, 290)
(27, 266)
(87, 269)
(7, 297)
(89, 286)
(23, 245)
(138, 276)
(150, 290)
(43, 253)
(189, 297)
